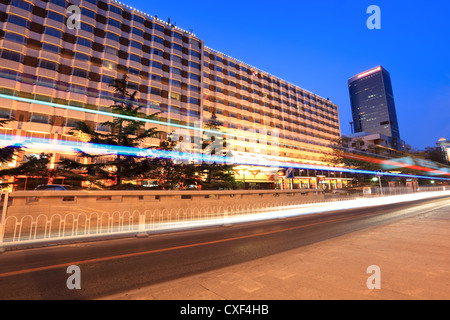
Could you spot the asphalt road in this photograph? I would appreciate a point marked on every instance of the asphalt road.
(109, 267)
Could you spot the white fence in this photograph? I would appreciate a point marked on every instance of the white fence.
(50, 216)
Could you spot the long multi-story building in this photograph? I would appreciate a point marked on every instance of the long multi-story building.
(53, 75)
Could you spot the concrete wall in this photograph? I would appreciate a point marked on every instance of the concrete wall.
(55, 202)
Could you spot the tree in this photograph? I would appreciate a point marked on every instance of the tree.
(219, 175)
(8, 153)
(125, 130)
(35, 167)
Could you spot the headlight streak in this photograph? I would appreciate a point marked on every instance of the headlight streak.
(51, 145)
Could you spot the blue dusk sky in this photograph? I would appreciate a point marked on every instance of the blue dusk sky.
(319, 45)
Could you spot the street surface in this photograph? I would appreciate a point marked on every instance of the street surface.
(146, 268)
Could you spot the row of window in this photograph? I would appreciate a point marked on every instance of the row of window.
(284, 124)
(296, 100)
(284, 113)
(52, 65)
(11, 36)
(85, 12)
(58, 33)
(328, 115)
(254, 77)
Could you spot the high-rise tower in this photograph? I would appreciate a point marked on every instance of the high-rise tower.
(373, 105)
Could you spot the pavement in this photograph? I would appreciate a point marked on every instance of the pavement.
(413, 256)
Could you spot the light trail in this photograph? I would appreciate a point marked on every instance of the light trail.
(281, 164)
(52, 145)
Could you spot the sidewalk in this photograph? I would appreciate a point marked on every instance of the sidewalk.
(413, 255)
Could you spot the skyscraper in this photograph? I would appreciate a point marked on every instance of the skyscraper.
(373, 106)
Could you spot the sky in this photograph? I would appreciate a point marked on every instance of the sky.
(319, 45)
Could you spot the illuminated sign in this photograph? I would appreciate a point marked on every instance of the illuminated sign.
(362, 75)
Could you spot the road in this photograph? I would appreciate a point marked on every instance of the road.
(114, 266)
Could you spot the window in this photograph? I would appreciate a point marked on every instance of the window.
(138, 19)
(111, 50)
(175, 96)
(86, 27)
(81, 56)
(194, 76)
(50, 47)
(55, 16)
(50, 65)
(158, 40)
(134, 57)
(114, 23)
(102, 128)
(177, 47)
(136, 44)
(177, 35)
(155, 77)
(77, 88)
(15, 37)
(155, 91)
(21, 4)
(194, 65)
(88, 13)
(175, 83)
(18, 21)
(133, 71)
(193, 101)
(53, 32)
(175, 71)
(177, 59)
(112, 36)
(109, 65)
(61, 3)
(195, 54)
(79, 73)
(115, 9)
(72, 123)
(159, 27)
(84, 42)
(45, 82)
(156, 64)
(40, 118)
(137, 31)
(6, 113)
(157, 52)
(107, 79)
(194, 88)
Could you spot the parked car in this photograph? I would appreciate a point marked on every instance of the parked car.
(54, 187)
(341, 191)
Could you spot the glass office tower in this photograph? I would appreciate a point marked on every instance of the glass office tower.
(373, 106)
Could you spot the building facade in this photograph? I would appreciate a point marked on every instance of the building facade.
(373, 106)
(444, 145)
(52, 76)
